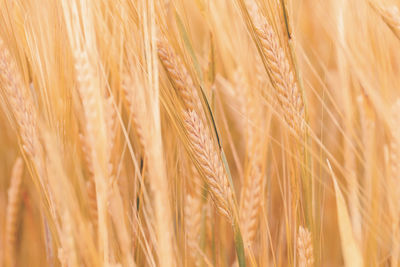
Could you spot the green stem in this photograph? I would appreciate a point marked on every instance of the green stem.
(239, 244)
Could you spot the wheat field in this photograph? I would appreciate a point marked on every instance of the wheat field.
(199, 133)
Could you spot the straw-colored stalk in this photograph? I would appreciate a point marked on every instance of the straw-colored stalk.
(393, 181)
(145, 116)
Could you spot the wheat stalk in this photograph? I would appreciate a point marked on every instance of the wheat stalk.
(68, 255)
(22, 106)
(209, 164)
(207, 158)
(193, 215)
(134, 112)
(13, 210)
(77, 17)
(394, 188)
(253, 184)
(90, 184)
(305, 248)
(251, 203)
(367, 118)
(279, 70)
(115, 201)
(179, 76)
(87, 90)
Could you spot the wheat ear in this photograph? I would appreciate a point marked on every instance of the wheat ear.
(252, 196)
(279, 70)
(87, 91)
(253, 183)
(305, 248)
(69, 251)
(209, 164)
(13, 209)
(127, 87)
(90, 184)
(116, 208)
(193, 214)
(179, 76)
(208, 159)
(21, 105)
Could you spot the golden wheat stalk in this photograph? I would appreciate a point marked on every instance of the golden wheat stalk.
(179, 76)
(90, 184)
(146, 114)
(69, 252)
(394, 188)
(12, 214)
(116, 207)
(89, 89)
(209, 164)
(251, 202)
(16, 93)
(253, 183)
(193, 215)
(305, 248)
(368, 125)
(207, 158)
(110, 115)
(280, 72)
(240, 95)
(134, 112)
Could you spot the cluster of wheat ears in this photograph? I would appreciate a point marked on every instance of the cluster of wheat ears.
(199, 133)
